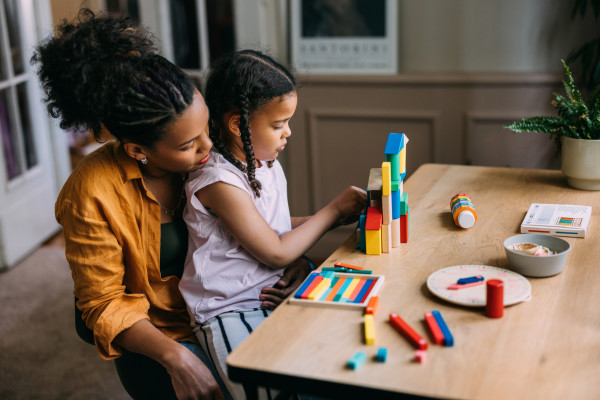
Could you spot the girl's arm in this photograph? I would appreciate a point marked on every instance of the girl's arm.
(297, 221)
(191, 379)
(236, 210)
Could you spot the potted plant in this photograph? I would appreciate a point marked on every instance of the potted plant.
(577, 131)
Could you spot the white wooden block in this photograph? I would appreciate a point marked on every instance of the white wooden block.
(386, 238)
(386, 209)
(395, 232)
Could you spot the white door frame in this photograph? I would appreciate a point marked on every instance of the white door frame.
(27, 200)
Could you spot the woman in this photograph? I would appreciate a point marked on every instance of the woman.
(121, 207)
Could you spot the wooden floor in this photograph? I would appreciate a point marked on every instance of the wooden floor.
(57, 240)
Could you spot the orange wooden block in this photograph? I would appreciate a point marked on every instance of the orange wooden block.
(335, 289)
(349, 266)
(372, 305)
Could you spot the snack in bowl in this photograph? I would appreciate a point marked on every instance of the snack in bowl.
(530, 248)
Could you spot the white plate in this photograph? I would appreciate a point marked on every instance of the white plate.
(516, 287)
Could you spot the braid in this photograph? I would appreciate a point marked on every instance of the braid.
(103, 72)
(215, 137)
(247, 142)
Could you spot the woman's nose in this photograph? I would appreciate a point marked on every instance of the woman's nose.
(205, 144)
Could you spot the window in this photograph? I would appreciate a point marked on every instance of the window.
(17, 141)
(202, 31)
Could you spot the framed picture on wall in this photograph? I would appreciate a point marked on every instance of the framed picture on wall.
(344, 36)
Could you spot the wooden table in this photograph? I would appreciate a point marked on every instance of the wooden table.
(547, 348)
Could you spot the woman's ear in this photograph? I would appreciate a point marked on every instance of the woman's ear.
(232, 122)
(135, 151)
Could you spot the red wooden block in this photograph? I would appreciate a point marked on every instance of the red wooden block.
(404, 220)
(436, 332)
(409, 333)
(374, 219)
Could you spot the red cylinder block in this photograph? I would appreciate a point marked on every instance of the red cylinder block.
(494, 306)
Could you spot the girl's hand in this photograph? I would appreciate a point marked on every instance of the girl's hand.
(349, 204)
(191, 379)
(293, 275)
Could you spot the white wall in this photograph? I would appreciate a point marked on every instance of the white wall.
(489, 35)
(262, 25)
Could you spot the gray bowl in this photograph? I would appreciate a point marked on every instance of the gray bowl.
(537, 266)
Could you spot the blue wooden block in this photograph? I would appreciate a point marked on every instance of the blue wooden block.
(448, 338)
(470, 279)
(305, 285)
(363, 240)
(395, 143)
(357, 360)
(366, 287)
(381, 354)
(396, 205)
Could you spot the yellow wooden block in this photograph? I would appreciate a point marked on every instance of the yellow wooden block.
(320, 289)
(386, 238)
(350, 288)
(369, 329)
(402, 162)
(386, 178)
(373, 241)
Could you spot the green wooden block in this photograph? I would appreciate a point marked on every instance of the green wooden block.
(394, 160)
(404, 204)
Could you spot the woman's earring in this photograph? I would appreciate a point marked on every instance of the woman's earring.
(144, 161)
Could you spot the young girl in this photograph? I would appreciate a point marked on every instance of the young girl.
(241, 232)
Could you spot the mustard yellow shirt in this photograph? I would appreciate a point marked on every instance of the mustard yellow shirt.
(111, 224)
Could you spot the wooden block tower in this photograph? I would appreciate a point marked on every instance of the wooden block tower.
(387, 212)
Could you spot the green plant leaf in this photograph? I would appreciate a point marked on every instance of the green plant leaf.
(576, 118)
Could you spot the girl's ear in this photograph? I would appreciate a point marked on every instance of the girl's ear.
(232, 122)
(135, 151)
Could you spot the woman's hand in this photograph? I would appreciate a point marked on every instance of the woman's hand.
(349, 204)
(191, 379)
(293, 275)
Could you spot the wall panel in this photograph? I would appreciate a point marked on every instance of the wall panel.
(341, 125)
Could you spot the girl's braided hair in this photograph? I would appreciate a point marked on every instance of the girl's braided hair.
(103, 72)
(244, 82)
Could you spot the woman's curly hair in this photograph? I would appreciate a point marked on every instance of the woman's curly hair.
(103, 72)
(244, 82)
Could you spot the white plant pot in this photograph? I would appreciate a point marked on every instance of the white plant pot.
(581, 163)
